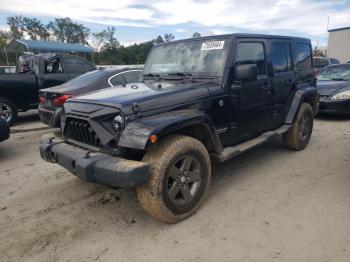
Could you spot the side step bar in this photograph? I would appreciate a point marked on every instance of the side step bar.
(232, 151)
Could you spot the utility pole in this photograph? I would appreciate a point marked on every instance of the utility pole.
(325, 52)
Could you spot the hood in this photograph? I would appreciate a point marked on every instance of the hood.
(149, 95)
(328, 88)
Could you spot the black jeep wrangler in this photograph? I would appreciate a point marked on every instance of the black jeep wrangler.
(201, 100)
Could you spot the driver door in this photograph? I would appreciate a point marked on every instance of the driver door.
(251, 101)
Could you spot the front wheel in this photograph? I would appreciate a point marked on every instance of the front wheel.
(179, 178)
(8, 110)
(299, 135)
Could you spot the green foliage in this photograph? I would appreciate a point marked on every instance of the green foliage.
(109, 50)
(35, 29)
(169, 37)
(4, 36)
(196, 34)
(106, 40)
(159, 40)
(16, 26)
(66, 31)
(134, 54)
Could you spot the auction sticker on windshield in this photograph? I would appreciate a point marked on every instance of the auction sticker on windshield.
(213, 45)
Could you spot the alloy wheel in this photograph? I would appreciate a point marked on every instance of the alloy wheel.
(6, 111)
(305, 127)
(183, 180)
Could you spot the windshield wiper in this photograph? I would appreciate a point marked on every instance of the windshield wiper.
(338, 79)
(152, 75)
(179, 74)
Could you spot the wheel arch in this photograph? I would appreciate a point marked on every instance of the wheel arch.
(303, 95)
(190, 122)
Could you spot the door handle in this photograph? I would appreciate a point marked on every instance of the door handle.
(266, 87)
(236, 87)
(288, 82)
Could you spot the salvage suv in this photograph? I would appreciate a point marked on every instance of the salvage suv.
(202, 100)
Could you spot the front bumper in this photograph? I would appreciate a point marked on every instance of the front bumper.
(50, 117)
(335, 107)
(93, 166)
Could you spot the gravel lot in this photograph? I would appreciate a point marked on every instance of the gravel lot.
(269, 204)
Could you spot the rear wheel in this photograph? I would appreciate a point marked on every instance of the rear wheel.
(178, 181)
(299, 135)
(8, 110)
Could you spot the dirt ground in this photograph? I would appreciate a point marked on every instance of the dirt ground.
(269, 204)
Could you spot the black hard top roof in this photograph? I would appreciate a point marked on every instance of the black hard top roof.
(241, 35)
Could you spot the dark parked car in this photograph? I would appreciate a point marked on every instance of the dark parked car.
(19, 91)
(333, 85)
(322, 62)
(52, 99)
(4, 129)
(202, 100)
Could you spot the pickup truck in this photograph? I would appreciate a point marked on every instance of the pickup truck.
(19, 91)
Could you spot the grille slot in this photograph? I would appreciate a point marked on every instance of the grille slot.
(81, 131)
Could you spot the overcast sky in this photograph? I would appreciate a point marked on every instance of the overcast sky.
(138, 21)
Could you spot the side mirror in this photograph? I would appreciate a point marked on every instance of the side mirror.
(248, 72)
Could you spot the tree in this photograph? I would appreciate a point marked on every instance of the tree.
(196, 34)
(168, 37)
(105, 40)
(4, 37)
(66, 31)
(159, 40)
(35, 29)
(16, 26)
(319, 52)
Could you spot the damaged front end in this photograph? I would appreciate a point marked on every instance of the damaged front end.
(89, 148)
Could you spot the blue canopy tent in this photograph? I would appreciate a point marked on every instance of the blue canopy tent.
(34, 46)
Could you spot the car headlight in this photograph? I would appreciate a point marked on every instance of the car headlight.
(341, 96)
(118, 123)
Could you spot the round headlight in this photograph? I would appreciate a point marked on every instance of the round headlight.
(118, 123)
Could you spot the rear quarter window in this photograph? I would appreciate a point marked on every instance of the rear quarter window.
(132, 76)
(302, 54)
(116, 80)
(76, 65)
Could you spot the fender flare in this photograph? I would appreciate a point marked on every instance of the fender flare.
(136, 134)
(299, 97)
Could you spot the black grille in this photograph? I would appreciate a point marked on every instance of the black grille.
(81, 131)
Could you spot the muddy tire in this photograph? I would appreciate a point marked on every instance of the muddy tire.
(299, 135)
(178, 180)
(8, 110)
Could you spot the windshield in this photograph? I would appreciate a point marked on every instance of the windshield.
(335, 73)
(196, 58)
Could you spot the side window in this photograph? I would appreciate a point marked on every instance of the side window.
(280, 58)
(116, 80)
(132, 76)
(76, 65)
(302, 54)
(252, 53)
(53, 66)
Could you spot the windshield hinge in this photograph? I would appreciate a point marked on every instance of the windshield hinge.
(135, 109)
